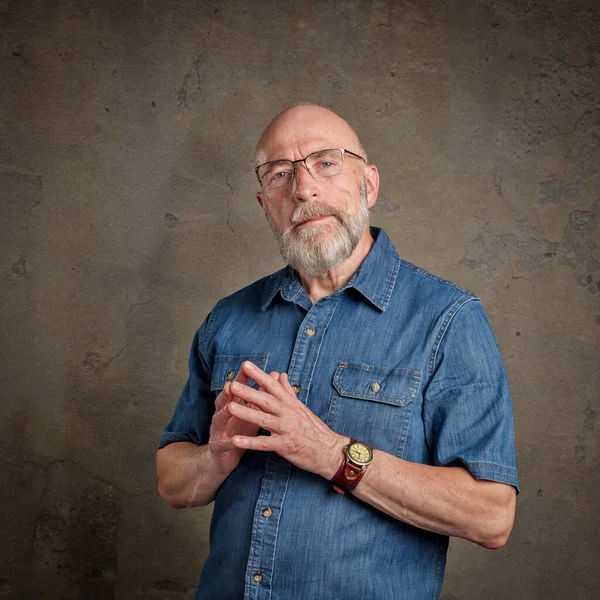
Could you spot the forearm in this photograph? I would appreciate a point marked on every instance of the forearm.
(446, 500)
(188, 475)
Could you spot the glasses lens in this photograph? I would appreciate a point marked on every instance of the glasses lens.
(276, 173)
(325, 163)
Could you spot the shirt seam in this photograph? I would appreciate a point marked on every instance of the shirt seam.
(171, 437)
(271, 290)
(391, 283)
(420, 271)
(209, 325)
(458, 304)
(441, 566)
(489, 466)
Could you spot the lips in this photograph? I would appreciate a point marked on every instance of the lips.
(314, 219)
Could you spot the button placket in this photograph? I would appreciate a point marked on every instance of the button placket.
(265, 526)
(308, 341)
(267, 515)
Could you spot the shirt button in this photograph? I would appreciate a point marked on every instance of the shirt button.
(267, 512)
(230, 375)
(296, 388)
(310, 331)
(375, 387)
(257, 577)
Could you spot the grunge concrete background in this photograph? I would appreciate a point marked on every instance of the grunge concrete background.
(127, 211)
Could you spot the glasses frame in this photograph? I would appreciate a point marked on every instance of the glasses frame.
(344, 151)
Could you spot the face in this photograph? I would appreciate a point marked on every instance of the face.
(319, 236)
(318, 222)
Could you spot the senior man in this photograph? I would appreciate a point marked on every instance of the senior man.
(349, 412)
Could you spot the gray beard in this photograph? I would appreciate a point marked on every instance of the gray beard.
(302, 249)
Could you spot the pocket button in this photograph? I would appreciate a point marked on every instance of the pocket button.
(375, 387)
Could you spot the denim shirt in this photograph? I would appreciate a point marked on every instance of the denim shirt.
(442, 398)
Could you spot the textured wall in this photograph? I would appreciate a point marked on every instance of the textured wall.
(128, 209)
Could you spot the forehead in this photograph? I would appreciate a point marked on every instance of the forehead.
(301, 132)
(296, 148)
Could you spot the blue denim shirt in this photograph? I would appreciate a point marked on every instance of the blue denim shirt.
(279, 532)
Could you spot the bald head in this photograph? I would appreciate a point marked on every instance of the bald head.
(302, 129)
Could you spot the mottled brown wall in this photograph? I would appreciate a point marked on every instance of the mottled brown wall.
(127, 211)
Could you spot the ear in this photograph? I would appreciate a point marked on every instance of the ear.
(372, 184)
(260, 199)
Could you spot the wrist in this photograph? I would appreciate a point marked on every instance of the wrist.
(220, 463)
(335, 456)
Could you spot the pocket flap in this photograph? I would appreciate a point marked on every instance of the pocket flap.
(227, 366)
(366, 382)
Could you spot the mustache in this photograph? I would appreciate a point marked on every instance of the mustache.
(313, 209)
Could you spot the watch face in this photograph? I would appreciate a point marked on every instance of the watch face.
(360, 453)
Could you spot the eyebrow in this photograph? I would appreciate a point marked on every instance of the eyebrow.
(344, 151)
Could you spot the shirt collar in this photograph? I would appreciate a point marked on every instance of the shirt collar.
(375, 278)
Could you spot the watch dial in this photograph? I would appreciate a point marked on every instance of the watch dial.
(359, 452)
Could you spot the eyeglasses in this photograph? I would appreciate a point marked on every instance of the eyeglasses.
(324, 163)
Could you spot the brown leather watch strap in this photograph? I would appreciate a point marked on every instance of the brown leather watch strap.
(348, 476)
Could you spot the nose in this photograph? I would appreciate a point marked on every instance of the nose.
(305, 185)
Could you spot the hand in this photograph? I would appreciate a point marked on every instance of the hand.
(296, 433)
(224, 426)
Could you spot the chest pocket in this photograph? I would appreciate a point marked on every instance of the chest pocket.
(227, 366)
(373, 404)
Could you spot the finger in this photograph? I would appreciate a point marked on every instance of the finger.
(285, 383)
(274, 375)
(268, 383)
(223, 398)
(220, 417)
(221, 444)
(257, 417)
(241, 377)
(268, 443)
(269, 402)
(226, 396)
(237, 400)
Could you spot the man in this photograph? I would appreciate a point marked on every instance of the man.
(385, 384)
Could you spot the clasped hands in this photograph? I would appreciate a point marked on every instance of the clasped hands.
(297, 434)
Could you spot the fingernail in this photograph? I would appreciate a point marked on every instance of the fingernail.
(249, 365)
(236, 387)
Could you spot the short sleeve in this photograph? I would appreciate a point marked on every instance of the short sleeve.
(467, 404)
(196, 406)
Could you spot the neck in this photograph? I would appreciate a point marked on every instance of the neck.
(324, 285)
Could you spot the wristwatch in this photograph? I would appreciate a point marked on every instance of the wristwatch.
(357, 457)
